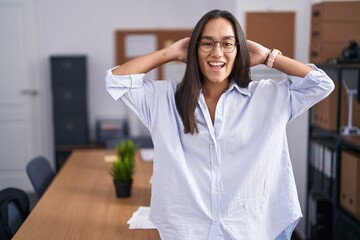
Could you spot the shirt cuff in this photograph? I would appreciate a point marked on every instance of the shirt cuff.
(116, 85)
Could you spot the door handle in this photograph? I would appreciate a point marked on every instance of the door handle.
(29, 92)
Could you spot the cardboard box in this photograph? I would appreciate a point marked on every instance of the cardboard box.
(339, 11)
(336, 31)
(321, 52)
(329, 39)
(333, 26)
(350, 182)
(325, 112)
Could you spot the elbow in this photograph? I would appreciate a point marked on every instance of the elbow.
(326, 83)
(330, 86)
(327, 87)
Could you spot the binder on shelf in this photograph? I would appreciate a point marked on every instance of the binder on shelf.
(322, 168)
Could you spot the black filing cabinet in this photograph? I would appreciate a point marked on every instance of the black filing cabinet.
(70, 118)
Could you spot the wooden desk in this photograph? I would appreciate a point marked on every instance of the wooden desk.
(80, 203)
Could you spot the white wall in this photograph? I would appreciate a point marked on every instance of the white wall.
(87, 27)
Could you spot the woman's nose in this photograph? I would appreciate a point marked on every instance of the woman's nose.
(217, 51)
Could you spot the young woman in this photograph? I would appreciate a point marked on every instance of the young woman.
(222, 168)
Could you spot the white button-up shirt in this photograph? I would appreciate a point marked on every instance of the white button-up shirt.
(234, 179)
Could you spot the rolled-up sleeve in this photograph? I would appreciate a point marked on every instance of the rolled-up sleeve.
(117, 85)
(140, 95)
(305, 92)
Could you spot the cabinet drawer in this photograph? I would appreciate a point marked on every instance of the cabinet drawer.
(68, 70)
(69, 100)
(70, 130)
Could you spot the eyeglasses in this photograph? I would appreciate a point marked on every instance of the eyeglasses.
(226, 45)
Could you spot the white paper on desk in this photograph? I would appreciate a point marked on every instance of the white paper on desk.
(147, 154)
(140, 219)
(110, 158)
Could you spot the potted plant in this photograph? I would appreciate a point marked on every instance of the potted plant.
(122, 168)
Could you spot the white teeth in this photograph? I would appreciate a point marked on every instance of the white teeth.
(216, 63)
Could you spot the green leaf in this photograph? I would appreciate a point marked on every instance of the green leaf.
(123, 168)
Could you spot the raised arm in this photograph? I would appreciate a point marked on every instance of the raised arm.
(289, 66)
(143, 64)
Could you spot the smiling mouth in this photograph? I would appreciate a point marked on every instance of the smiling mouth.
(216, 65)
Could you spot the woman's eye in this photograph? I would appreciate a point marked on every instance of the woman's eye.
(206, 44)
(228, 44)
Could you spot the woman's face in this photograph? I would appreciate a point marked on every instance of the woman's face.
(217, 65)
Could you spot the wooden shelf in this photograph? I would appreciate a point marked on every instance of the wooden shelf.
(325, 141)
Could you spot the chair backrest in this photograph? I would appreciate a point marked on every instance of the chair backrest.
(14, 209)
(40, 174)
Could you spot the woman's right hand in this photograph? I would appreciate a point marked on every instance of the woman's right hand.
(257, 52)
(180, 49)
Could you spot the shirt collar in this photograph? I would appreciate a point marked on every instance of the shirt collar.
(244, 91)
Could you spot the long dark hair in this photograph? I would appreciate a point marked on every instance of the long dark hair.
(187, 92)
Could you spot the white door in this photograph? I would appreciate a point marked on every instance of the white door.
(19, 95)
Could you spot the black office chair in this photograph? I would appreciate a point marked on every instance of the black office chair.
(14, 209)
(40, 174)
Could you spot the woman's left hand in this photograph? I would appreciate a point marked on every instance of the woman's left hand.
(257, 52)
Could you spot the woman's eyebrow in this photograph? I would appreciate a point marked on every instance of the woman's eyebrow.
(211, 38)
